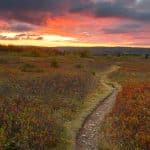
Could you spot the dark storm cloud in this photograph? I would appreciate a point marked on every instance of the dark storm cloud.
(117, 8)
(30, 5)
(18, 27)
(37, 11)
(32, 11)
(125, 28)
(21, 27)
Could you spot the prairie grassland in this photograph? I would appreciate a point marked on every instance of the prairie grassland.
(40, 92)
(127, 127)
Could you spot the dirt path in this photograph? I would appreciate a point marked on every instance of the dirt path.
(87, 136)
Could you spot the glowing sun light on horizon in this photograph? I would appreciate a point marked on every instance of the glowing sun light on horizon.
(54, 38)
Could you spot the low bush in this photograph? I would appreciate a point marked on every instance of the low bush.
(34, 111)
(54, 63)
(31, 53)
(30, 68)
(79, 66)
(127, 127)
(84, 53)
(3, 60)
(28, 124)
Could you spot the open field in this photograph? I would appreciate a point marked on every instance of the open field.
(43, 93)
(127, 127)
(40, 93)
(74, 75)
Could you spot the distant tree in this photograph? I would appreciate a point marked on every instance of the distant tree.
(146, 56)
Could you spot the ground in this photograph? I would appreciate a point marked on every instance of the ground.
(45, 96)
(127, 126)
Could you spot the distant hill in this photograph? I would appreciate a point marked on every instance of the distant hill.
(94, 50)
(109, 50)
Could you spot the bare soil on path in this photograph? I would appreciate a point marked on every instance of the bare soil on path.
(88, 134)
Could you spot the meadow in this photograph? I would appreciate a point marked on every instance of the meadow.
(40, 92)
(127, 126)
(43, 90)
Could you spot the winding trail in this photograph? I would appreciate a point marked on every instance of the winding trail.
(88, 134)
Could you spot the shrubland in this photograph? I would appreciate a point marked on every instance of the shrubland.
(127, 126)
(41, 91)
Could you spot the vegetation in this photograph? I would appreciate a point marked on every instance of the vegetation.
(79, 66)
(54, 63)
(127, 127)
(132, 69)
(38, 103)
(30, 68)
(146, 56)
(28, 124)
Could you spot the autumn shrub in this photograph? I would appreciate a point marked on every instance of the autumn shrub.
(56, 85)
(93, 73)
(38, 102)
(28, 67)
(129, 120)
(79, 66)
(34, 54)
(3, 60)
(146, 56)
(132, 69)
(28, 123)
(33, 111)
(84, 53)
(31, 53)
(54, 63)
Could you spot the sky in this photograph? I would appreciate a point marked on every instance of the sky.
(75, 22)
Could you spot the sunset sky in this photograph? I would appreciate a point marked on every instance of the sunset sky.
(75, 22)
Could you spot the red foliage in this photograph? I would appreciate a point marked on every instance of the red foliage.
(131, 116)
